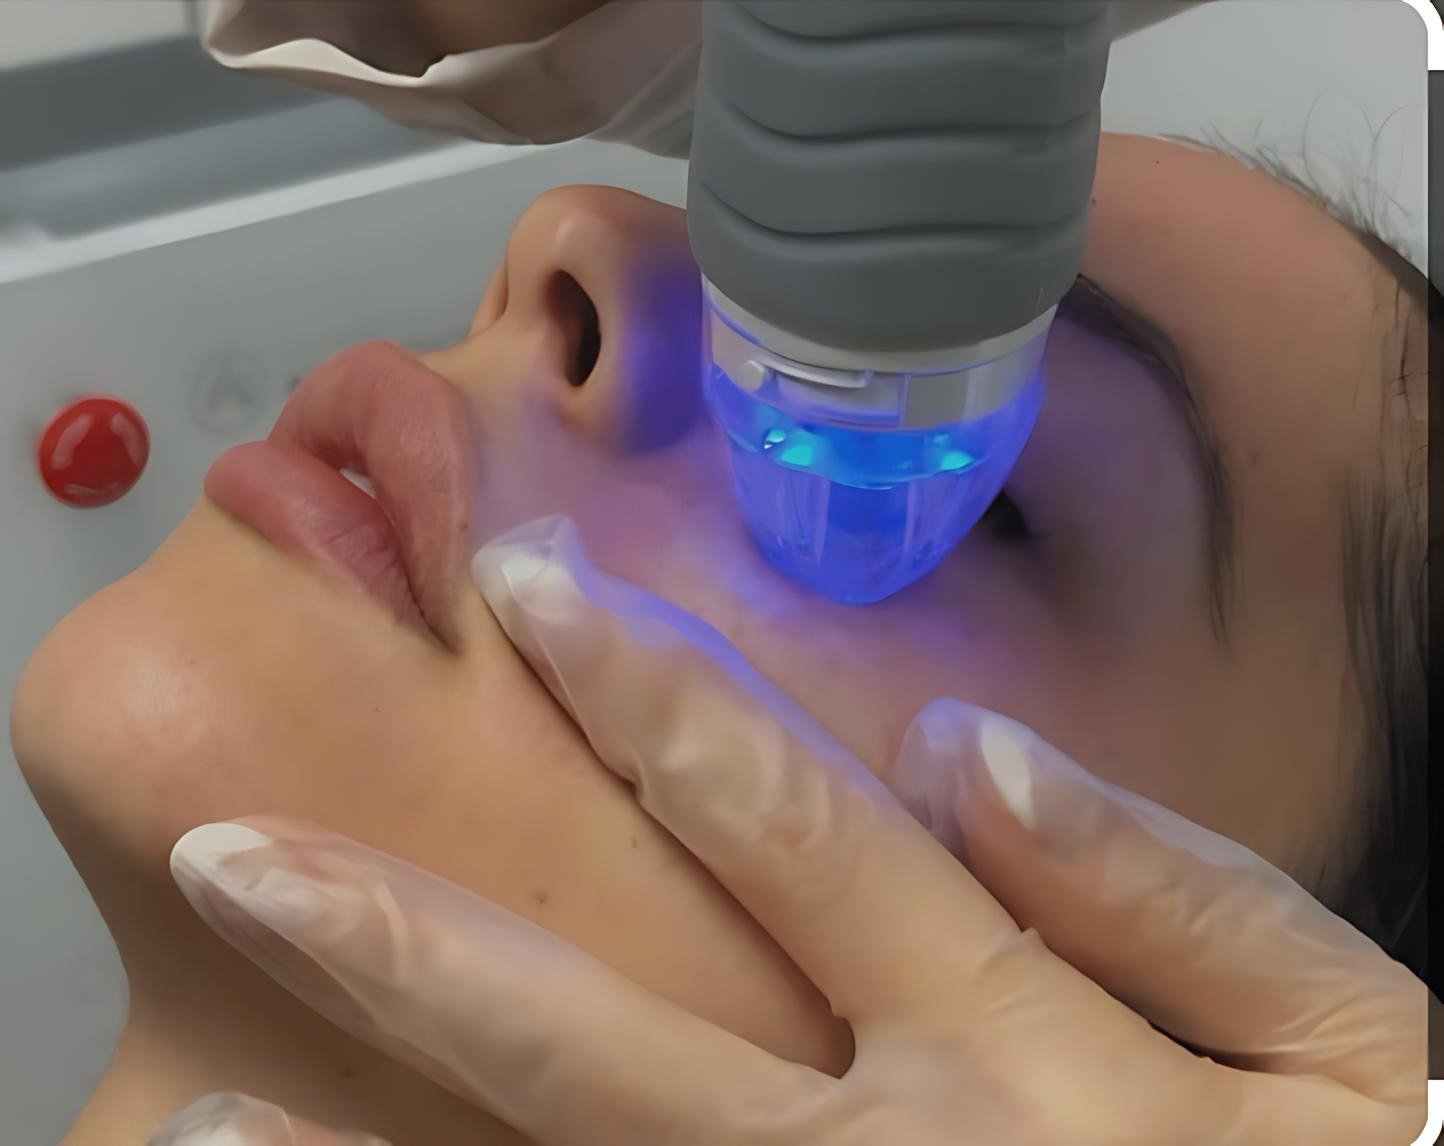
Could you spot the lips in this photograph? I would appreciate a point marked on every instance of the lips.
(376, 411)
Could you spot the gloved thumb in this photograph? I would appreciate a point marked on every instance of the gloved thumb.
(231, 1119)
(1195, 932)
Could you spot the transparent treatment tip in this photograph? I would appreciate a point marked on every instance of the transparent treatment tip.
(857, 482)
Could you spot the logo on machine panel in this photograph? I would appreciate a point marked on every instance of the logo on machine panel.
(235, 393)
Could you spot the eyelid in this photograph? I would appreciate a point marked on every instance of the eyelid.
(1089, 306)
(1095, 310)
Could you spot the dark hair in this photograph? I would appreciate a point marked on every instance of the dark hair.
(1386, 545)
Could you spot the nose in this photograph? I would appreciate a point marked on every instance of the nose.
(602, 283)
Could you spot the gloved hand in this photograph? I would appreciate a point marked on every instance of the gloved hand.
(987, 1001)
(240, 1120)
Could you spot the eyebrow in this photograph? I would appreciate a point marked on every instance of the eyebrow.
(1089, 306)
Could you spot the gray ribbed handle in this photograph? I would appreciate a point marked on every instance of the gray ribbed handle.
(896, 174)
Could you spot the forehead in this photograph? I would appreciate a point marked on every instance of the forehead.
(1260, 289)
(1283, 321)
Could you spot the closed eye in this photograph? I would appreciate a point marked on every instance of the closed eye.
(1004, 519)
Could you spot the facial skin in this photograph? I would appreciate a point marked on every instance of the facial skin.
(225, 678)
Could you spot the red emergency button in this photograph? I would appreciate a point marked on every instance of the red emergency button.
(92, 451)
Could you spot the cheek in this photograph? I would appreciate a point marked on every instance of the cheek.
(666, 520)
(627, 501)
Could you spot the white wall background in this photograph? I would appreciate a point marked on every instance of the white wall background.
(1340, 82)
(34, 31)
(1334, 85)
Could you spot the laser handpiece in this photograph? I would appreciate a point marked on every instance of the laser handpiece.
(887, 199)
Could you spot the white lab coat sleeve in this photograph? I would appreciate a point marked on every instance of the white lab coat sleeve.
(625, 71)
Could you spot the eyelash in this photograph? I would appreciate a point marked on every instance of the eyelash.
(1005, 520)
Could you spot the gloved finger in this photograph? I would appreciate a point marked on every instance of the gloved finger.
(497, 1009)
(881, 919)
(1194, 931)
(231, 1119)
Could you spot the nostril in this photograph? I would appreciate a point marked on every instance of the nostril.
(575, 312)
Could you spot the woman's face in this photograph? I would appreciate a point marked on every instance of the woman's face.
(1191, 651)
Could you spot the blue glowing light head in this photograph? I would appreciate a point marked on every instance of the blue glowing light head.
(856, 483)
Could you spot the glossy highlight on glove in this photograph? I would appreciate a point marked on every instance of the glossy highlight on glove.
(233, 1119)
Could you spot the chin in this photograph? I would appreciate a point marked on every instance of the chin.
(106, 705)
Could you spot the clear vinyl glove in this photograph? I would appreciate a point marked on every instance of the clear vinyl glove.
(240, 1120)
(1021, 999)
